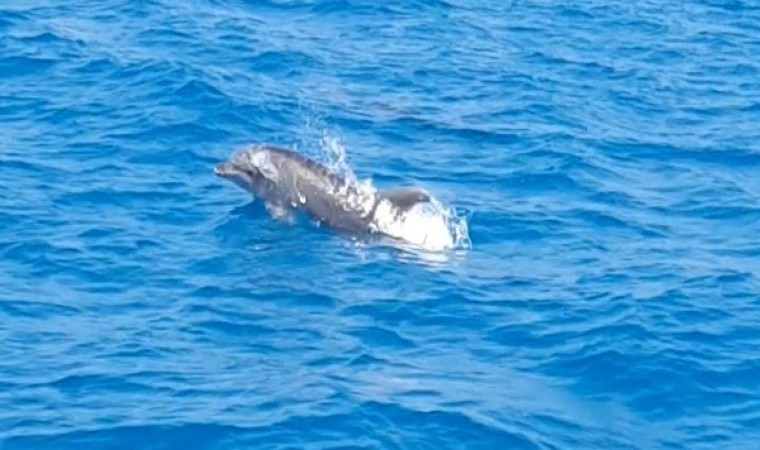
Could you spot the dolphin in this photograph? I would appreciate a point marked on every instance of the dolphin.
(288, 181)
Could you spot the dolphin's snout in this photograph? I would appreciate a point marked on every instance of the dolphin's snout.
(223, 169)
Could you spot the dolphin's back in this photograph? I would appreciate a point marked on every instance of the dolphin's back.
(321, 192)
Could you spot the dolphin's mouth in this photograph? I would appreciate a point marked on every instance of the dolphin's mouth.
(226, 170)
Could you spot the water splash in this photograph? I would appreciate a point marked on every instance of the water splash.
(428, 226)
(335, 153)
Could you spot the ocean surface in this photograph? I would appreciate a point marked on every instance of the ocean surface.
(601, 160)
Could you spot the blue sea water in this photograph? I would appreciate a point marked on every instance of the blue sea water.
(605, 154)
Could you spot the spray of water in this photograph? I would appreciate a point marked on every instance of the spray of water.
(428, 226)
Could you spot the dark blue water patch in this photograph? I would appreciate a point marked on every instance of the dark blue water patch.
(418, 127)
(446, 426)
(96, 66)
(731, 158)
(153, 436)
(283, 63)
(165, 36)
(93, 384)
(24, 66)
(176, 133)
(379, 337)
(123, 199)
(203, 95)
(10, 19)
(35, 309)
(47, 43)
(389, 11)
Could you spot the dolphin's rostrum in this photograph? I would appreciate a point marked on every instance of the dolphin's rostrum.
(286, 180)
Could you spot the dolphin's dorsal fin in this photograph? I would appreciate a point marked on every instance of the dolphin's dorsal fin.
(405, 198)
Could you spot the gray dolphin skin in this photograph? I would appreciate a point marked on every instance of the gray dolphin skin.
(286, 180)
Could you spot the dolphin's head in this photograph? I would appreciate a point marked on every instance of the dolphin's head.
(255, 169)
(241, 169)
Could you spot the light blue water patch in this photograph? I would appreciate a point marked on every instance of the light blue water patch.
(604, 154)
